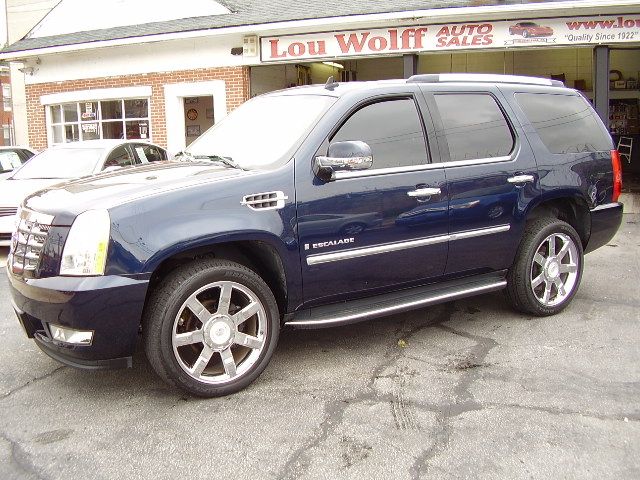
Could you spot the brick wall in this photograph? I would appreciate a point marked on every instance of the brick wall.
(236, 80)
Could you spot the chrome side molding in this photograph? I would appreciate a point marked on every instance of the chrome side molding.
(320, 258)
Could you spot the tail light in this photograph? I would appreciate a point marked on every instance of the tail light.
(617, 175)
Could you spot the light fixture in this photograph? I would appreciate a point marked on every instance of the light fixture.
(333, 64)
(28, 70)
(71, 335)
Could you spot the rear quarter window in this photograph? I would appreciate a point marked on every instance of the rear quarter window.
(565, 123)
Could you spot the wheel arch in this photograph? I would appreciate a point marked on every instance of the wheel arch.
(570, 208)
(257, 253)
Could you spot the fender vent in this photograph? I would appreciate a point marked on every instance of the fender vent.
(265, 201)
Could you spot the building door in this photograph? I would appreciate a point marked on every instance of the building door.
(198, 117)
(186, 110)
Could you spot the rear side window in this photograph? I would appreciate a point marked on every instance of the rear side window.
(565, 123)
(392, 129)
(474, 126)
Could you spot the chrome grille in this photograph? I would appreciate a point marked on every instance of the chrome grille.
(8, 211)
(28, 240)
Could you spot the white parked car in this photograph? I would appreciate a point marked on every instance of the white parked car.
(64, 162)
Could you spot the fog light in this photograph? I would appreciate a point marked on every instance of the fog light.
(69, 335)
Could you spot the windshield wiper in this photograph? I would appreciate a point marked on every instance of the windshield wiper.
(228, 161)
(187, 156)
(190, 157)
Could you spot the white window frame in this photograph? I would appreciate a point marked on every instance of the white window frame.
(96, 95)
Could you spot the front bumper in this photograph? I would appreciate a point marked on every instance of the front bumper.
(7, 226)
(605, 221)
(109, 306)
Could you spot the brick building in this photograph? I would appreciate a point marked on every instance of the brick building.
(166, 72)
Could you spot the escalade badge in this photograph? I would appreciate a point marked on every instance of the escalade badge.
(330, 243)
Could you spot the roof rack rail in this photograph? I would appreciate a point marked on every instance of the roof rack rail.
(483, 77)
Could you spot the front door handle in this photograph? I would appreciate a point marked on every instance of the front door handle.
(521, 179)
(424, 192)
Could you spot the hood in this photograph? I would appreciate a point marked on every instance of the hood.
(12, 192)
(108, 190)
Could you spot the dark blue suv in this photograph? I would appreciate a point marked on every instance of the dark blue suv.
(316, 207)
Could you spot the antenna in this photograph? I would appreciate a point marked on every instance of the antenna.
(331, 83)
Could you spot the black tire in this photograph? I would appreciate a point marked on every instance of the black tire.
(527, 271)
(167, 310)
(525, 34)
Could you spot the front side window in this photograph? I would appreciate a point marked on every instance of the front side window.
(473, 126)
(392, 129)
(91, 120)
(565, 123)
(148, 153)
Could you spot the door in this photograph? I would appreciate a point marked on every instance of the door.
(491, 175)
(379, 229)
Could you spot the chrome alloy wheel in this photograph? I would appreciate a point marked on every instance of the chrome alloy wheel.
(554, 269)
(218, 333)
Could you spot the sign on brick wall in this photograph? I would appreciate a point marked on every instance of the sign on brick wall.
(454, 36)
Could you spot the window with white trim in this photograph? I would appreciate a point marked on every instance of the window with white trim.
(91, 120)
(6, 97)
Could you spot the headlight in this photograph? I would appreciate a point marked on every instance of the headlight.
(18, 217)
(85, 251)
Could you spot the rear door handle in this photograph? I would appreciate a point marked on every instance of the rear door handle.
(424, 192)
(521, 179)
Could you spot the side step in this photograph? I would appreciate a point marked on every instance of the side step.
(354, 311)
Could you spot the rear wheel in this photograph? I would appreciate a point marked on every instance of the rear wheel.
(548, 268)
(211, 327)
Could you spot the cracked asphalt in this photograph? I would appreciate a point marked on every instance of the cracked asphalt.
(468, 389)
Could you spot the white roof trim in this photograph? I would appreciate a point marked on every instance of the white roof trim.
(520, 11)
(96, 94)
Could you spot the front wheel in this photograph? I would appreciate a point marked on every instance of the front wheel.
(211, 327)
(548, 268)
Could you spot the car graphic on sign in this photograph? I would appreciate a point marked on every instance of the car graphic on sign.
(530, 29)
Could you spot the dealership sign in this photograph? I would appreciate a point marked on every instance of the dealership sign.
(454, 36)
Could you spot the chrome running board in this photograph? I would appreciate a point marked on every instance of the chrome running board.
(354, 311)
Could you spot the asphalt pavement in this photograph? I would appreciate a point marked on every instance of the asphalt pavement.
(468, 389)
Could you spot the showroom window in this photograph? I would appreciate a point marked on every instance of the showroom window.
(91, 120)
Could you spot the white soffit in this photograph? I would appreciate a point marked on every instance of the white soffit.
(71, 16)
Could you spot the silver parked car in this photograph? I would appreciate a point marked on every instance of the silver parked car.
(64, 162)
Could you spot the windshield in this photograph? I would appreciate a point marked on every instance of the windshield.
(261, 131)
(60, 163)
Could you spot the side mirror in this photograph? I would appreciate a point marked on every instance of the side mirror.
(343, 156)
